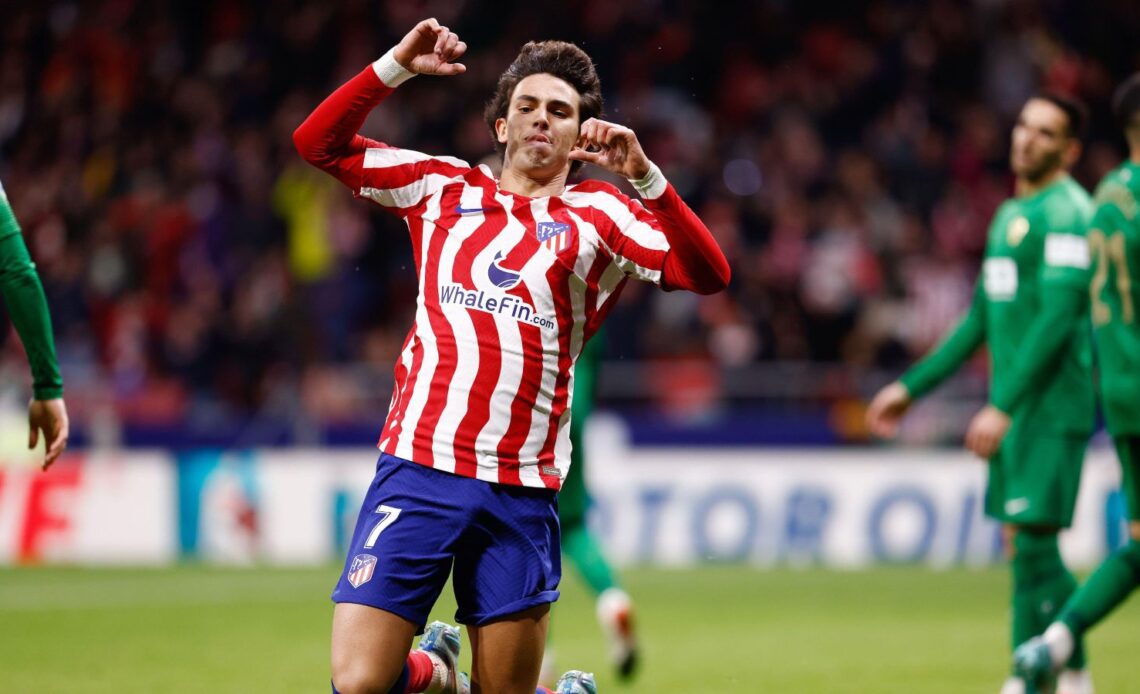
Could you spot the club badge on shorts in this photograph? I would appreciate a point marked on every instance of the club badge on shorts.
(361, 569)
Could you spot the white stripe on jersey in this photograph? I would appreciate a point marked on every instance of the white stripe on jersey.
(406, 196)
(540, 409)
(511, 370)
(466, 347)
(417, 399)
(383, 157)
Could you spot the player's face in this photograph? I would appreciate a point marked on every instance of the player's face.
(1041, 141)
(541, 125)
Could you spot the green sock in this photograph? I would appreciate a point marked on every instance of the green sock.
(1041, 585)
(1054, 595)
(1104, 590)
(579, 544)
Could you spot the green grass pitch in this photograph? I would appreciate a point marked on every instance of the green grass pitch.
(715, 629)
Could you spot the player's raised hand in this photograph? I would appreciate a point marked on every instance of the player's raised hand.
(50, 417)
(887, 409)
(429, 49)
(611, 146)
(986, 431)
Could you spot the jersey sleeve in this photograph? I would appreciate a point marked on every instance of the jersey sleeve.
(629, 234)
(1065, 250)
(397, 179)
(1062, 309)
(954, 349)
(661, 241)
(27, 306)
(400, 179)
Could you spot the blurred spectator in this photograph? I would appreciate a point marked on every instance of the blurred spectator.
(847, 157)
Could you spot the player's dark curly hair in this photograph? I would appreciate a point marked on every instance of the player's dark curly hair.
(560, 59)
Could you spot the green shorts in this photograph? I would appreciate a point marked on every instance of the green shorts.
(1035, 476)
(1128, 451)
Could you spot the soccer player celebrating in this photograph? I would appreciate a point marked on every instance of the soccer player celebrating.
(1114, 242)
(27, 307)
(515, 274)
(1030, 308)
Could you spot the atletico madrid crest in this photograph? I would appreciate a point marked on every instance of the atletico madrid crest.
(553, 236)
(361, 569)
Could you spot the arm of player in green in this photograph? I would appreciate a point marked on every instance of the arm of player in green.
(27, 307)
(951, 353)
(1061, 307)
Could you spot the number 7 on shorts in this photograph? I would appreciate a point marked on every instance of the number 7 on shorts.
(390, 514)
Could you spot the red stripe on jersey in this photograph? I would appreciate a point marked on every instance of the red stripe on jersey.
(555, 278)
(422, 449)
(610, 229)
(487, 376)
(396, 418)
(399, 389)
(530, 382)
(594, 314)
(560, 210)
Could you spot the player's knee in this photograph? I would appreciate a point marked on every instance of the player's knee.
(361, 678)
(1134, 531)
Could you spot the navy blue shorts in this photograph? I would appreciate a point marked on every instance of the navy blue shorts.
(417, 522)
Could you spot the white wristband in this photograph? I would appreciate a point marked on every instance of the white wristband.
(390, 72)
(653, 185)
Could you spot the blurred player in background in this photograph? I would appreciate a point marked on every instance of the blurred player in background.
(614, 607)
(28, 310)
(515, 276)
(1114, 243)
(1030, 308)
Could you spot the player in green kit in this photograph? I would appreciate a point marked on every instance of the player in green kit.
(1030, 308)
(1114, 242)
(27, 308)
(614, 608)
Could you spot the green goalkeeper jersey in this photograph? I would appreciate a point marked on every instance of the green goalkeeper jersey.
(1114, 243)
(1029, 307)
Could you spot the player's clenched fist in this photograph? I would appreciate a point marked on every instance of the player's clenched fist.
(613, 147)
(429, 48)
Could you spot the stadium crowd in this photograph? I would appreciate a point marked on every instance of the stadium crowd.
(847, 156)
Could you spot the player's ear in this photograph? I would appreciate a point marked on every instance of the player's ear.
(1072, 152)
(501, 130)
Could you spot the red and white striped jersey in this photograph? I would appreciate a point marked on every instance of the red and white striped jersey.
(510, 288)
